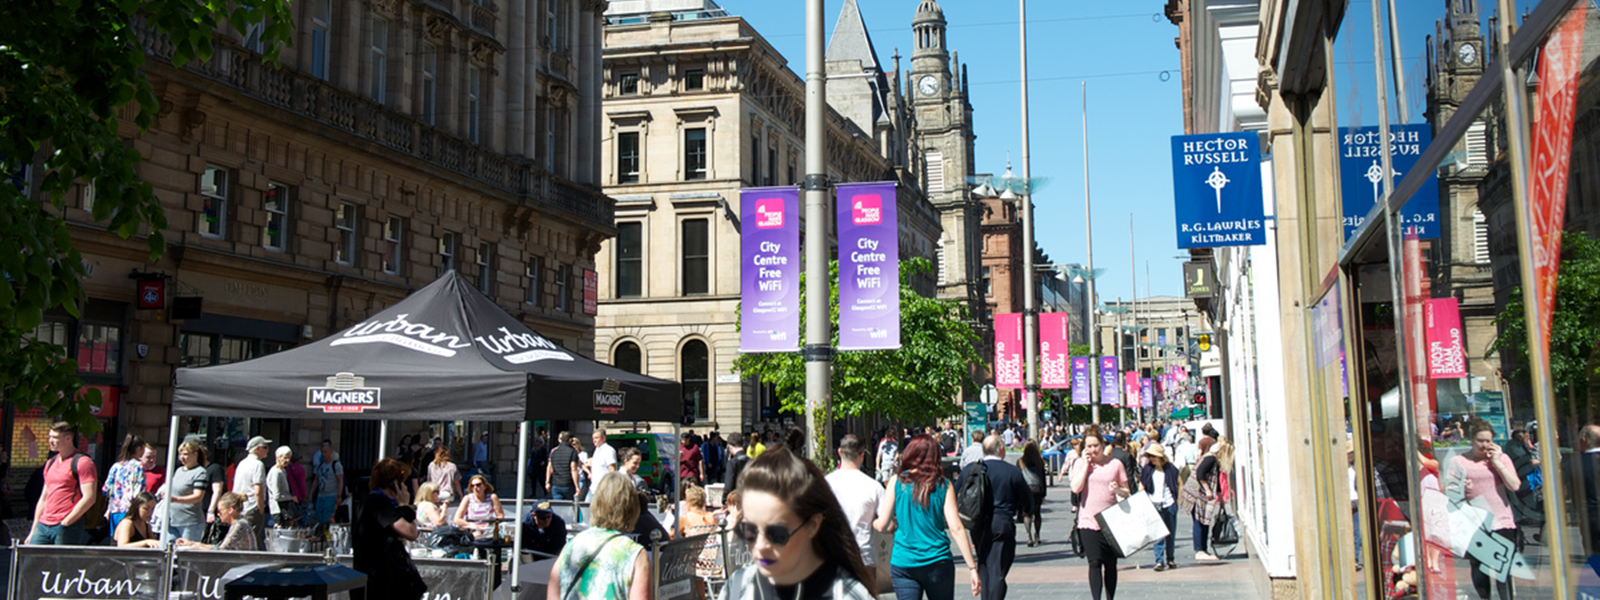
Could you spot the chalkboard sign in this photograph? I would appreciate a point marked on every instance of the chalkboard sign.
(735, 554)
(198, 574)
(675, 567)
(88, 573)
(447, 578)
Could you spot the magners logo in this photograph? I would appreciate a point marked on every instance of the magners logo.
(345, 393)
(610, 399)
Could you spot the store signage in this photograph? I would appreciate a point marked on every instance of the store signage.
(1008, 351)
(46, 572)
(977, 417)
(1109, 392)
(1552, 157)
(1216, 186)
(152, 294)
(1080, 380)
(610, 399)
(591, 292)
(1130, 388)
(110, 398)
(1447, 355)
(200, 574)
(344, 393)
(869, 267)
(1054, 352)
(1199, 279)
(769, 311)
(1361, 176)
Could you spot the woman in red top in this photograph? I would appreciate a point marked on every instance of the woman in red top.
(1102, 482)
(1482, 476)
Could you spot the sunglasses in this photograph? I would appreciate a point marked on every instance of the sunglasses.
(777, 535)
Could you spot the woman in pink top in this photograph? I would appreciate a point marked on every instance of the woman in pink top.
(1482, 476)
(1101, 481)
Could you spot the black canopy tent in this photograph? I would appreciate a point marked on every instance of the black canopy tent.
(446, 352)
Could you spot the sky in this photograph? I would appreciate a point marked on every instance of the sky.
(1126, 54)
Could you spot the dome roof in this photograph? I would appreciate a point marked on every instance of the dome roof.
(929, 10)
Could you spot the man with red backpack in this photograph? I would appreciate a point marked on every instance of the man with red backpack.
(70, 487)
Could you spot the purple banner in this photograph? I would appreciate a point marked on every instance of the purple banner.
(869, 267)
(769, 310)
(1080, 380)
(1110, 388)
(1146, 393)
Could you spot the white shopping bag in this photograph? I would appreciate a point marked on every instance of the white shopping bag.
(1466, 521)
(1132, 524)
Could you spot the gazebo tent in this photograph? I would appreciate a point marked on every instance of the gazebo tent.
(446, 352)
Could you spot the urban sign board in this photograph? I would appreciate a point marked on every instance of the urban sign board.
(1216, 188)
(1008, 351)
(1054, 350)
(1361, 176)
(1080, 380)
(1199, 279)
(1109, 389)
(869, 267)
(769, 309)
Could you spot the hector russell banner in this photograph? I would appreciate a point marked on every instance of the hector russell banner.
(869, 267)
(1216, 190)
(769, 310)
(1361, 176)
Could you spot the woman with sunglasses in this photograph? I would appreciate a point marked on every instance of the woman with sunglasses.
(481, 508)
(919, 507)
(603, 562)
(797, 534)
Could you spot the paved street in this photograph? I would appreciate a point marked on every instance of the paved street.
(1050, 571)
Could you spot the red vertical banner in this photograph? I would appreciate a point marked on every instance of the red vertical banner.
(1008, 351)
(1054, 350)
(1447, 355)
(591, 292)
(1552, 158)
(1132, 389)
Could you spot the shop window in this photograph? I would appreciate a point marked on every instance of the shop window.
(696, 257)
(694, 369)
(344, 220)
(275, 203)
(214, 210)
(630, 259)
(628, 357)
(206, 349)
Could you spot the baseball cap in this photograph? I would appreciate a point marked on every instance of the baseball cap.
(542, 509)
(257, 442)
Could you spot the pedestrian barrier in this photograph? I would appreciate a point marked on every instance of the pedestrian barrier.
(88, 572)
(448, 577)
(673, 565)
(198, 574)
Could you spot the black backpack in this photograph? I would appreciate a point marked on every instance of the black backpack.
(973, 501)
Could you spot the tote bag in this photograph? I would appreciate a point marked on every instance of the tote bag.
(1131, 524)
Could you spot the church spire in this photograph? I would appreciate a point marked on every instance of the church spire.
(850, 40)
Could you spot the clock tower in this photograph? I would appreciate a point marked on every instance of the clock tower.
(942, 150)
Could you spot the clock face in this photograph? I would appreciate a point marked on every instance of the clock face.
(1468, 54)
(928, 85)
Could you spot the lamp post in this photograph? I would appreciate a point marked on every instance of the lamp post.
(1030, 316)
(818, 352)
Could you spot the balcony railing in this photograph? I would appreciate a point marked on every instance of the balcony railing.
(352, 113)
(481, 17)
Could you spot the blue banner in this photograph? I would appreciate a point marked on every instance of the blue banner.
(1216, 190)
(1361, 176)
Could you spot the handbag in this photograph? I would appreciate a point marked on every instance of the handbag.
(288, 513)
(215, 531)
(1223, 531)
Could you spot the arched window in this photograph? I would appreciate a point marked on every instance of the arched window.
(628, 358)
(694, 372)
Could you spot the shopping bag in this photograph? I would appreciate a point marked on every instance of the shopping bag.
(1223, 531)
(1466, 521)
(1131, 524)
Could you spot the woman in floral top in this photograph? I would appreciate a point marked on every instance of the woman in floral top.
(602, 562)
(125, 479)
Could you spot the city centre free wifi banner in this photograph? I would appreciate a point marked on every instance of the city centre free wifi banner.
(1216, 190)
(769, 300)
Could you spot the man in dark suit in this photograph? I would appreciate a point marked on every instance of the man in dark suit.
(1128, 464)
(997, 542)
(737, 459)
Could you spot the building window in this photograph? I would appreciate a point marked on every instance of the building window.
(1480, 237)
(694, 79)
(791, 180)
(755, 159)
(628, 157)
(696, 256)
(935, 172)
(98, 349)
(252, 38)
(344, 220)
(628, 358)
(772, 166)
(486, 268)
(447, 252)
(535, 279)
(394, 249)
(430, 87)
(628, 84)
(988, 290)
(694, 370)
(563, 276)
(88, 197)
(275, 202)
(474, 83)
(630, 259)
(694, 153)
(321, 24)
(552, 24)
(379, 59)
(214, 212)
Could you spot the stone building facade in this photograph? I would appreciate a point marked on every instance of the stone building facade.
(396, 141)
(697, 105)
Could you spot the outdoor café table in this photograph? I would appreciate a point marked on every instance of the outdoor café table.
(295, 582)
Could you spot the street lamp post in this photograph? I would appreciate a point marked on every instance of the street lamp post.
(1088, 244)
(1030, 315)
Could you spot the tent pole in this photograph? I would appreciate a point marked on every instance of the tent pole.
(172, 457)
(383, 439)
(522, 497)
(677, 479)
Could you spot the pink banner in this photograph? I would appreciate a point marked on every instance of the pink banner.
(1008, 351)
(1447, 358)
(1552, 158)
(1132, 388)
(1053, 351)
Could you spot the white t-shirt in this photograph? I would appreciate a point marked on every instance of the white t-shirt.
(603, 461)
(1162, 496)
(250, 472)
(858, 495)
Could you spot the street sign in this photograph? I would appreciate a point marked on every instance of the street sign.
(1205, 342)
(977, 417)
(989, 394)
